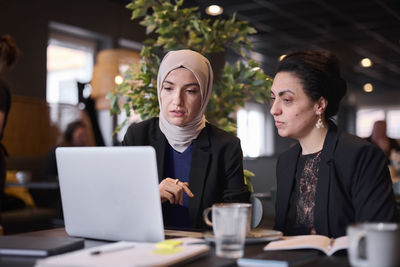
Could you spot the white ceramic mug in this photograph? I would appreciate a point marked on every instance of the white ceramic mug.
(374, 244)
(229, 223)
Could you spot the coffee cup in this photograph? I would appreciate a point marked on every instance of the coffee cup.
(230, 223)
(374, 244)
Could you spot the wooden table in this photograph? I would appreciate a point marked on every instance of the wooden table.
(34, 185)
(209, 260)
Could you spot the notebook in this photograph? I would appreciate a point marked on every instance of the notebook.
(21, 245)
(279, 259)
(110, 193)
(130, 254)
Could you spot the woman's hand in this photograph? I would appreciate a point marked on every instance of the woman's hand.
(172, 190)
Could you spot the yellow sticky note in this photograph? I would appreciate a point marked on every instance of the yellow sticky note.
(168, 247)
(168, 251)
(169, 244)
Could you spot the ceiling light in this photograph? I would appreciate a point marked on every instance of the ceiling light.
(282, 57)
(366, 62)
(368, 88)
(214, 10)
(118, 79)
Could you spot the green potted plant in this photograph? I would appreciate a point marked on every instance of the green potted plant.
(170, 27)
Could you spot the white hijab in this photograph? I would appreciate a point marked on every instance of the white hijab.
(181, 137)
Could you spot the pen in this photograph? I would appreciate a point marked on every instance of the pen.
(112, 249)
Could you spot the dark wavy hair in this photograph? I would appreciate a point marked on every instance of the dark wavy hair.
(69, 132)
(8, 49)
(320, 74)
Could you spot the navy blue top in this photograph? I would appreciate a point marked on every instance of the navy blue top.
(178, 167)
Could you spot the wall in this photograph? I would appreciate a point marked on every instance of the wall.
(27, 21)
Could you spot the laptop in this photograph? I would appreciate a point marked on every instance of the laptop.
(110, 193)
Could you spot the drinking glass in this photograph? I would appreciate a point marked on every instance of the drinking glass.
(229, 223)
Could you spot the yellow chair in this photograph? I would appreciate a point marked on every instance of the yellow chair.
(20, 192)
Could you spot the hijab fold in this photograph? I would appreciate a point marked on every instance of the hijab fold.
(180, 137)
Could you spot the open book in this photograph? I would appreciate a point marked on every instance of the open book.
(325, 244)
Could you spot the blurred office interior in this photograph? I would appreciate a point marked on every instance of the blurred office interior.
(65, 42)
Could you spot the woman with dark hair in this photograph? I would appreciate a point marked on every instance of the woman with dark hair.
(330, 179)
(75, 135)
(8, 56)
(198, 164)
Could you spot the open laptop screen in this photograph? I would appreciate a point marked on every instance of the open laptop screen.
(110, 193)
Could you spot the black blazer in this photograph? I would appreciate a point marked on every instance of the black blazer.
(216, 171)
(354, 184)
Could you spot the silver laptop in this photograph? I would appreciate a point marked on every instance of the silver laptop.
(110, 193)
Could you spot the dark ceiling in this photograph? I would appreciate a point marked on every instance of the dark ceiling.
(352, 29)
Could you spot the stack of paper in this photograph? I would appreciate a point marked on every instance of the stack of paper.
(130, 254)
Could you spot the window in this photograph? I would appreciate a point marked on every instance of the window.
(254, 128)
(393, 123)
(366, 118)
(69, 59)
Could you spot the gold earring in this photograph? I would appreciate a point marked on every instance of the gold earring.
(319, 123)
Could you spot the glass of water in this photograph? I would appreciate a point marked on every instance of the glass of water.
(229, 222)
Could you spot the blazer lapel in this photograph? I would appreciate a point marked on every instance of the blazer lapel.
(201, 157)
(159, 142)
(321, 221)
(285, 184)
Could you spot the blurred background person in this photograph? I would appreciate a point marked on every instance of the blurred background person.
(76, 134)
(8, 55)
(379, 137)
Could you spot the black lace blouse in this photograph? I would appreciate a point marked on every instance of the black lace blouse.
(300, 218)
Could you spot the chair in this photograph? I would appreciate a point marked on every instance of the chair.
(257, 211)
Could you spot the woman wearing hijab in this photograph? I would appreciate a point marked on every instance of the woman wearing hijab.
(198, 164)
